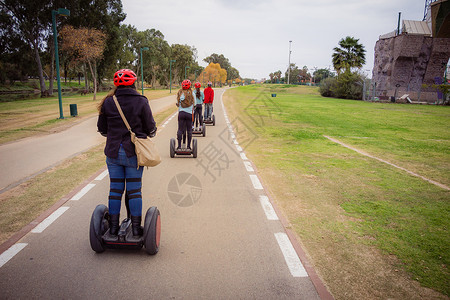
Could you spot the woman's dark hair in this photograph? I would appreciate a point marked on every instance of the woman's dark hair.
(113, 92)
(197, 93)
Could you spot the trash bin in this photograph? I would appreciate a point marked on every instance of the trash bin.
(274, 95)
(73, 110)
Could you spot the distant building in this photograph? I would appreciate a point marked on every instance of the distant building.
(413, 60)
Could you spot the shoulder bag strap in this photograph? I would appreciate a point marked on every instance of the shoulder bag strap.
(121, 113)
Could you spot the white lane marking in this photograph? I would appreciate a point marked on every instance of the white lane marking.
(83, 191)
(256, 183)
(235, 142)
(102, 175)
(239, 148)
(290, 256)
(243, 156)
(49, 220)
(268, 208)
(248, 166)
(8, 254)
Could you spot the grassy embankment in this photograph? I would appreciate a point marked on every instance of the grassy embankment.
(23, 118)
(22, 204)
(371, 230)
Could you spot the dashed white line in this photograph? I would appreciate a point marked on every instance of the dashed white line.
(239, 148)
(255, 181)
(102, 175)
(49, 220)
(8, 254)
(243, 156)
(268, 208)
(290, 256)
(248, 166)
(83, 191)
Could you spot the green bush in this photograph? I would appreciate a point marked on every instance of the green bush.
(347, 85)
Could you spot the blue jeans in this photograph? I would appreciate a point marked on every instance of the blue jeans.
(208, 110)
(123, 170)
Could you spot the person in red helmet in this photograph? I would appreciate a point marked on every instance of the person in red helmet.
(209, 98)
(198, 98)
(120, 151)
(185, 103)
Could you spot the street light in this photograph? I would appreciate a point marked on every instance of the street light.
(63, 12)
(142, 69)
(289, 65)
(185, 71)
(171, 61)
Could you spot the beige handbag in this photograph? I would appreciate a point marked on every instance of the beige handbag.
(146, 152)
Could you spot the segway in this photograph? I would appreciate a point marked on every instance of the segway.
(200, 130)
(101, 239)
(211, 119)
(183, 150)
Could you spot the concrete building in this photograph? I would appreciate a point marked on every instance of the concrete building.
(414, 60)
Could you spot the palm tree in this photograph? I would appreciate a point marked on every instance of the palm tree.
(349, 54)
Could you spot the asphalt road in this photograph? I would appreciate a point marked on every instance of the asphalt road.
(31, 156)
(217, 241)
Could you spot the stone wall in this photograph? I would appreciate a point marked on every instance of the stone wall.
(403, 64)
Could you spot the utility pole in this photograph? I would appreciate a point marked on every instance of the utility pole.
(289, 65)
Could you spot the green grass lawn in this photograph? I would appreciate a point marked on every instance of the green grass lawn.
(339, 200)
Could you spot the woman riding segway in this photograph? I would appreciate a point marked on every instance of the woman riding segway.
(120, 151)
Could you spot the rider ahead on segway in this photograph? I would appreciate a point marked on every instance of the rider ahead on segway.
(209, 98)
(185, 103)
(199, 97)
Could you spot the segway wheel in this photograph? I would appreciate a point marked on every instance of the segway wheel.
(194, 148)
(99, 225)
(152, 230)
(214, 120)
(172, 147)
(204, 129)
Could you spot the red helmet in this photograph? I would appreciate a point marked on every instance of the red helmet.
(186, 84)
(124, 77)
(197, 85)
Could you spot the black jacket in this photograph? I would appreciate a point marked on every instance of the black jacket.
(137, 111)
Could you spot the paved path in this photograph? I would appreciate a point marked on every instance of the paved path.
(28, 157)
(220, 237)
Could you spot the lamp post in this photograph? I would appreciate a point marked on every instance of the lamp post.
(185, 72)
(289, 65)
(170, 72)
(62, 12)
(142, 69)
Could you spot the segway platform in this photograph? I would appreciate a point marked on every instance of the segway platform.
(199, 130)
(211, 120)
(183, 151)
(101, 239)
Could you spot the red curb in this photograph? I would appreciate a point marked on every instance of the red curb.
(27, 228)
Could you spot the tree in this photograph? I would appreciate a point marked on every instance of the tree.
(30, 20)
(86, 45)
(184, 56)
(349, 54)
(104, 15)
(321, 74)
(220, 59)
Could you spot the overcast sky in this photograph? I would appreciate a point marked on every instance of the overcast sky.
(254, 34)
